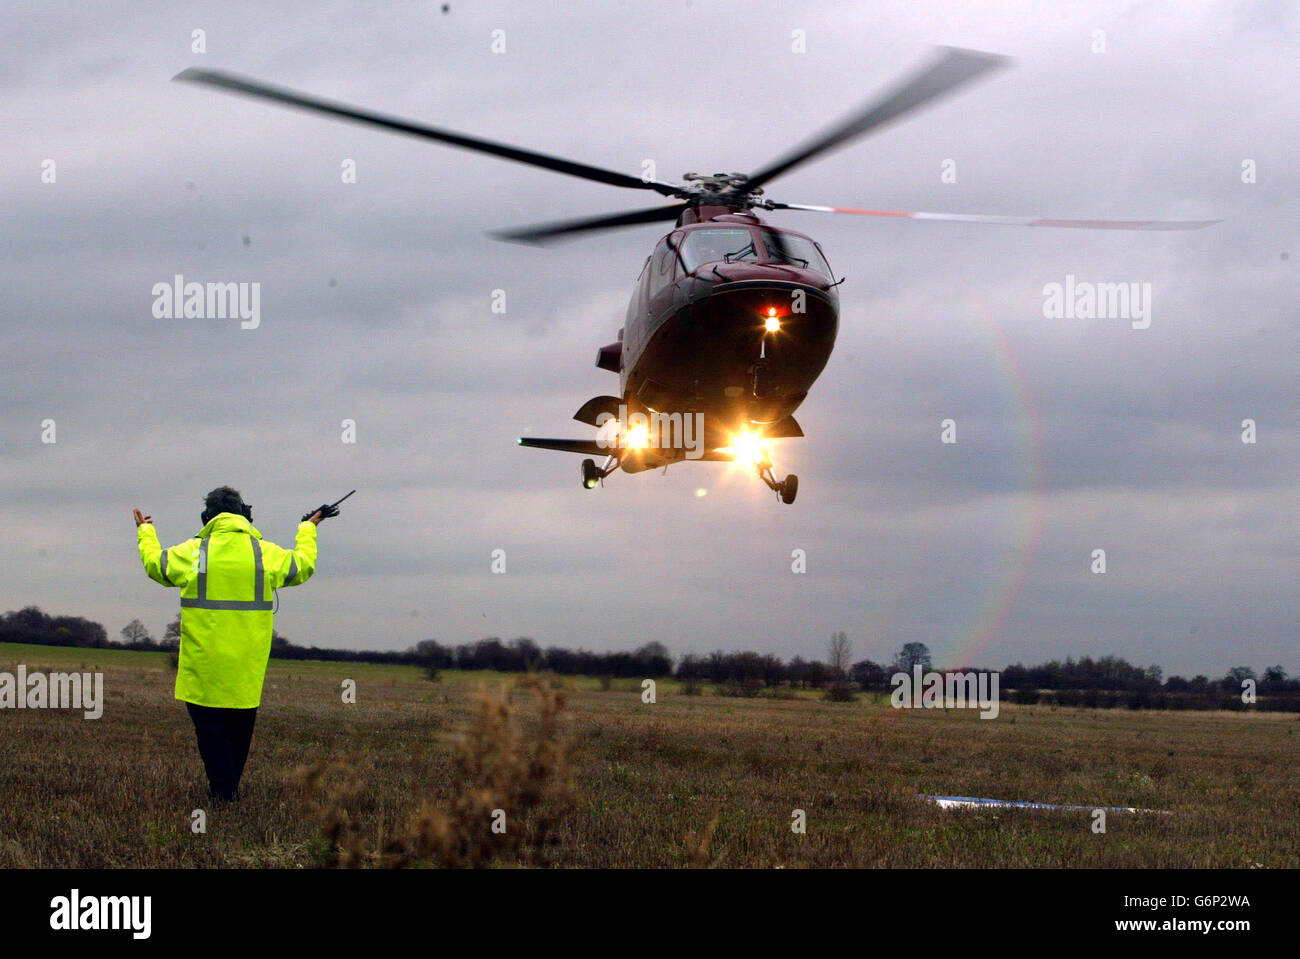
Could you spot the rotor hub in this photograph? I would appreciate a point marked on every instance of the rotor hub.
(721, 189)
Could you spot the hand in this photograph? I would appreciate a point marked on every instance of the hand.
(141, 519)
(324, 511)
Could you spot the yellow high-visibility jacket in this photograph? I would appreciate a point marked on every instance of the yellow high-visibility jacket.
(226, 574)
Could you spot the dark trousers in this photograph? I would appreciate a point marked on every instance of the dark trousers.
(224, 737)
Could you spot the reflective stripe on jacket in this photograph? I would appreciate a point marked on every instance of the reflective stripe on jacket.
(226, 574)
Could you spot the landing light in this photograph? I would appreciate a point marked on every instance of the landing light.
(747, 447)
(772, 321)
(638, 437)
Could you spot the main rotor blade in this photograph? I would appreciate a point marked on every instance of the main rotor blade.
(266, 91)
(1013, 220)
(543, 232)
(953, 68)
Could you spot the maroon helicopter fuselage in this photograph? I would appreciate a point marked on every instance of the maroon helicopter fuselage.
(697, 337)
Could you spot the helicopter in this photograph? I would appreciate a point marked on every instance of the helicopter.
(732, 318)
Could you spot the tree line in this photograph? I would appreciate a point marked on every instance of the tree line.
(1103, 682)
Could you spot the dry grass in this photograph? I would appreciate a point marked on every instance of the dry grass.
(514, 788)
(411, 773)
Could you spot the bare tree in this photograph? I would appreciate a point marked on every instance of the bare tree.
(136, 632)
(172, 637)
(838, 654)
(840, 690)
(913, 654)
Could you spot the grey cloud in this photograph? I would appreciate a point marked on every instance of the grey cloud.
(1073, 434)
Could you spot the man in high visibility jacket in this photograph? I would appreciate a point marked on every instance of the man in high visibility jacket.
(226, 574)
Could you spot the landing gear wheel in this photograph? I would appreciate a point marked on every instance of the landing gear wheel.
(590, 474)
(787, 489)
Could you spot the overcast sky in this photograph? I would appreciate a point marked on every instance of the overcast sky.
(1072, 434)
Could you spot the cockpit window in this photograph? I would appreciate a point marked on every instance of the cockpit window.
(794, 250)
(717, 246)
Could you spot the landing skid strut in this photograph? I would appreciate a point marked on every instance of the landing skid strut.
(593, 475)
(787, 488)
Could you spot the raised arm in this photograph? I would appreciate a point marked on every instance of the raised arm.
(170, 567)
(292, 567)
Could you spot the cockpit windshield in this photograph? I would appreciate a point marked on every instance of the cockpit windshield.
(794, 250)
(717, 246)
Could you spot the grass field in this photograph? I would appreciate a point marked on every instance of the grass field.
(689, 780)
